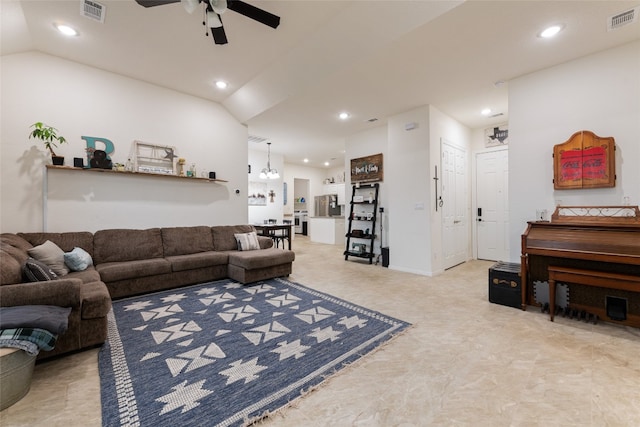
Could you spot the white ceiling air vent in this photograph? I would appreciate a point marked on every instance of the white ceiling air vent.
(257, 139)
(93, 10)
(621, 19)
(496, 115)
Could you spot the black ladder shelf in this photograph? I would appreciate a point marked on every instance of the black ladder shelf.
(359, 241)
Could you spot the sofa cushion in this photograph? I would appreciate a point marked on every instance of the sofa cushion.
(38, 271)
(114, 271)
(119, 245)
(66, 241)
(50, 254)
(223, 236)
(263, 258)
(13, 254)
(247, 241)
(265, 242)
(199, 260)
(87, 276)
(78, 259)
(10, 269)
(16, 241)
(96, 301)
(186, 240)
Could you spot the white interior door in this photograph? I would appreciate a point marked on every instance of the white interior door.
(492, 216)
(455, 234)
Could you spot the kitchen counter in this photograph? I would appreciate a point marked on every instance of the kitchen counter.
(326, 229)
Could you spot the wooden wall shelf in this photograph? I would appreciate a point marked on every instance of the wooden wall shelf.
(145, 174)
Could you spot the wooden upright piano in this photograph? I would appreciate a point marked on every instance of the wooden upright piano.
(595, 239)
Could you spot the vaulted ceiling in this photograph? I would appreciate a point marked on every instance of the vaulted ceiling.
(372, 59)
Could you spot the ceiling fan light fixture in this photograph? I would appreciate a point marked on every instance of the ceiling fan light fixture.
(213, 20)
(218, 6)
(190, 5)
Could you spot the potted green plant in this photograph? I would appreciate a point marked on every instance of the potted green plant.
(50, 138)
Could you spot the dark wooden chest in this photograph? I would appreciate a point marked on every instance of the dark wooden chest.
(505, 284)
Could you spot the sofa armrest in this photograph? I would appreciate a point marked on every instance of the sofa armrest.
(265, 242)
(62, 292)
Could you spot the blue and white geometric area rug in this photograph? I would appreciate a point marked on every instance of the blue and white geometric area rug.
(227, 354)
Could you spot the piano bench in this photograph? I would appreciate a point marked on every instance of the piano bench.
(595, 278)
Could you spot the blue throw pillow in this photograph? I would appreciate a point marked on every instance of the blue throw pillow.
(78, 259)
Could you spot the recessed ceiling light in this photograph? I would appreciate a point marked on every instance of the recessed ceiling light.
(326, 163)
(486, 111)
(66, 30)
(220, 84)
(306, 160)
(551, 31)
(344, 116)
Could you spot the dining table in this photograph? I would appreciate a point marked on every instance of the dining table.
(278, 232)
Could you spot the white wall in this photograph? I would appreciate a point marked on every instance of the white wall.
(337, 173)
(600, 93)
(409, 186)
(80, 100)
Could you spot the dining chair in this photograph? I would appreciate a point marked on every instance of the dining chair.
(281, 235)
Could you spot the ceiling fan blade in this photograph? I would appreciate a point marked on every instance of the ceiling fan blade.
(151, 3)
(219, 36)
(254, 13)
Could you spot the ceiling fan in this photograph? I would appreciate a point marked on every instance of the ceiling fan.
(215, 8)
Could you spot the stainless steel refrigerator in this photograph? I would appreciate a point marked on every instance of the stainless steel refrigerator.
(327, 205)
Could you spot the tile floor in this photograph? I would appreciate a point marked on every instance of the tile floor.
(465, 361)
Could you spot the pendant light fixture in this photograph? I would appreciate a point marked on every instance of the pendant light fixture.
(268, 173)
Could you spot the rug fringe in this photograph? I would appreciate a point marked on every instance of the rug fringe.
(260, 419)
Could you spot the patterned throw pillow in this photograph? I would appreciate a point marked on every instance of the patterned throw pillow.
(247, 241)
(37, 271)
(78, 259)
(52, 255)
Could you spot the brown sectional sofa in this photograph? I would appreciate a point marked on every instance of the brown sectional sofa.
(131, 262)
